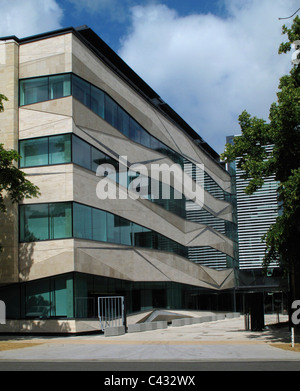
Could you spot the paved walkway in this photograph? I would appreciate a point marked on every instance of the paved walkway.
(218, 340)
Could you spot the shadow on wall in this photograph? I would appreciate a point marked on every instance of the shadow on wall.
(26, 251)
(35, 326)
(9, 243)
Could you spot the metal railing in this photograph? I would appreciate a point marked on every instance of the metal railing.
(111, 311)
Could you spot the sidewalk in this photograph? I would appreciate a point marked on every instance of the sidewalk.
(217, 340)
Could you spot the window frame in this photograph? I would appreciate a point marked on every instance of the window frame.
(48, 84)
(44, 137)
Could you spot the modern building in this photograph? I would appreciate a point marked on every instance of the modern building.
(90, 131)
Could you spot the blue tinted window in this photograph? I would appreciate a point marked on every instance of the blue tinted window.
(111, 111)
(81, 90)
(60, 149)
(123, 121)
(34, 152)
(125, 230)
(44, 88)
(97, 101)
(81, 153)
(45, 150)
(99, 225)
(98, 158)
(59, 86)
(135, 131)
(60, 220)
(34, 90)
(45, 221)
(82, 221)
(113, 228)
(54, 221)
(142, 236)
(34, 222)
(145, 138)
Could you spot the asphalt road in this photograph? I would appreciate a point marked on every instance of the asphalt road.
(148, 368)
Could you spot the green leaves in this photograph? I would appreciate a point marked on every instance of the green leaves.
(249, 150)
(282, 239)
(283, 134)
(293, 35)
(12, 180)
(2, 98)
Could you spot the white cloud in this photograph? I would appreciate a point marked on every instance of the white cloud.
(28, 17)
(209, 69)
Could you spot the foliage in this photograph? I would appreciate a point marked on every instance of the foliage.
(283, 236)
(13, 181)
(2, 98)
(283, 134)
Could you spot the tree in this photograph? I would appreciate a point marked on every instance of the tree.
(283, 134)
(2, 98)
(13, 182)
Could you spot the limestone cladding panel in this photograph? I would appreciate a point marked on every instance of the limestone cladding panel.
(137, 154)
(45, 258)
(83, 117)
(148, 214)
(55, 183)
(223, 278)
(46, 57)
(192, 152)
(88, 66)
(46, 118)
(9, 72)
(186, 271)
(131, 264)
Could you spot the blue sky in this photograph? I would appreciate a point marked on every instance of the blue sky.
(208, 59)
(111, 19)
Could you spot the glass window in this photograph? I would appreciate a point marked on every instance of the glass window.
(82, 221)
(113, 169)
(54, 221)
(59, 86)
(34, 90)
(34, 152)
(125, 230)
(135, 131)
(142, 236)
(81, 90)
(97, 101)
(99, 225)
(123, 122)
(38, 299)
(60, 220)
(155, 144)
(34, 222)
(98, 158)
(81, 153)
(60, 149)
(60, 297)
(45, 221)
(113, 228)
(111, 111)
(145, 138)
